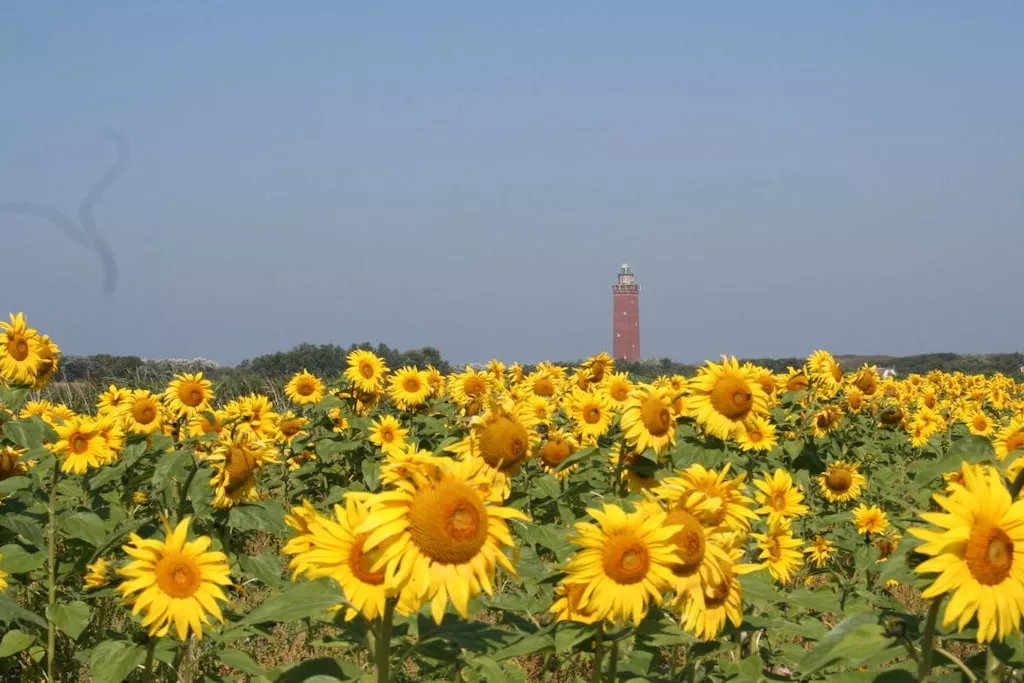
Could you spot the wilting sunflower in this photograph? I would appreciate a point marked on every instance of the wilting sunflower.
(591, 412)
(757, 434)
(779, 497)
(143, 413)
(780, 552)
(647, 420)
(388, 434)
(442, 531)
(49, 360)
(1010, 438)
(236, 460)
(304, 388)
(625, 562)
(98, 574)
(870, 520)
(841, 482)
(177, 581)
(331, 547)
(19, 351)
(81, 444)
(598, 366)
(978, 553)
(826, 421)
(825, 373)
(408, 387)
(9, 462)
(188, 394)
(567, 605)
(866, 380)
(820, 551)
(366, 370)
(722, 396)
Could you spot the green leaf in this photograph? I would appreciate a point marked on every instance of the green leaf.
(14, 484)
(111, 661)
(170, 467)
(13, 397)
(105, 475)
(973, 449)
(237, 659)
(29, 528)
(569, 633)
(295, 601)
(87, 526)
(371, 474)
(72, 618)
(10, 612)
(17, 560)
(486, 670)
(581, 454)
(758, 588)
(327, 448)
(321, 670)
(854, 640)
(15, 641)
(821, 600)
(265, 567)
(266, 516)
(29, 433)
(542, 641)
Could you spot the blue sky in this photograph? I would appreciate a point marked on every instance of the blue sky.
(782, 176)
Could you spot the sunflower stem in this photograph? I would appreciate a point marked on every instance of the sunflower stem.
(183, 499)
(613, 662)
(147, 674)
(598, 653)
(928, 640)
(993, 667)
(958, 662)
(51, 626)
(383, 649)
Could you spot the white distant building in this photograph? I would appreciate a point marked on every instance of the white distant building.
(886, 373)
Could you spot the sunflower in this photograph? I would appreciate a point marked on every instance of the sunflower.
(556, 450)
(825, 373)
(647, 420)
(255, 413)
(820, 551)
(40, 409)
(409, 387)
(854, 400)
(731, 506)
(780, 552)
(469, 387)
(177, 581)
(598, 366)
(841, 482)
(10, 466)
(291, 425)
(98, 574)
(188, 394)
(722, 598)
(766, 379)
(618, 388)
(866, 380)
(3, 576)
(49, 361)
(236, 460)
(794, 380)
(890, 416)
(209, 422)
(1010, 438)
(400, 464)
(541, 408)
(388, 434)
(503, 437)
(870, 520)
(81, 444)
(723, 396)
(114, 401)
(331, 547)
(544, 383)
(304, 388)
(826, 421)
(143, 413)
(779, 498)
(435, 380)
(625, 562)
(567, 605)
(366, 370)
(19, 351)
(979, 422)
(978, 553)
(591, 412)
(442, 531)
(757, 434)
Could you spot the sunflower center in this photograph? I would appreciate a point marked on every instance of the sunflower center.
(8, 463)
(892, 416)
(387, 435)
(1014, 442)
(18, 348)
(868, 383)
(716, 594)
(240, 466)
(837, 372)
(305, 388)
(191, 396)
(620, 392)
(591, 414)
(755, 435)
(655, 416)
(448, 522)
(554, 453)
(774, 549)
(178, 575)
(626, 558)
(574, 596)
(779, 501)
(79, 443)
(411, 384)
(839, 480)
(543, 387)
(474, 386)
(689, 542)
(144, 412)
(503, 442)
(366, 370)
(361, 563)
(989, 554)
(980, 422)
(732, 398)
(798, 383)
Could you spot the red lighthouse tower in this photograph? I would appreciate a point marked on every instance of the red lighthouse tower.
(626, 320)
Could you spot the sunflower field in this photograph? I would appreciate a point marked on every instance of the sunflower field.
(505, 524)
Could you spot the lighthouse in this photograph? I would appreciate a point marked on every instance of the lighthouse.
(626, 316)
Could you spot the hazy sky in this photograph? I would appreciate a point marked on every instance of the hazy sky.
(782, 176)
